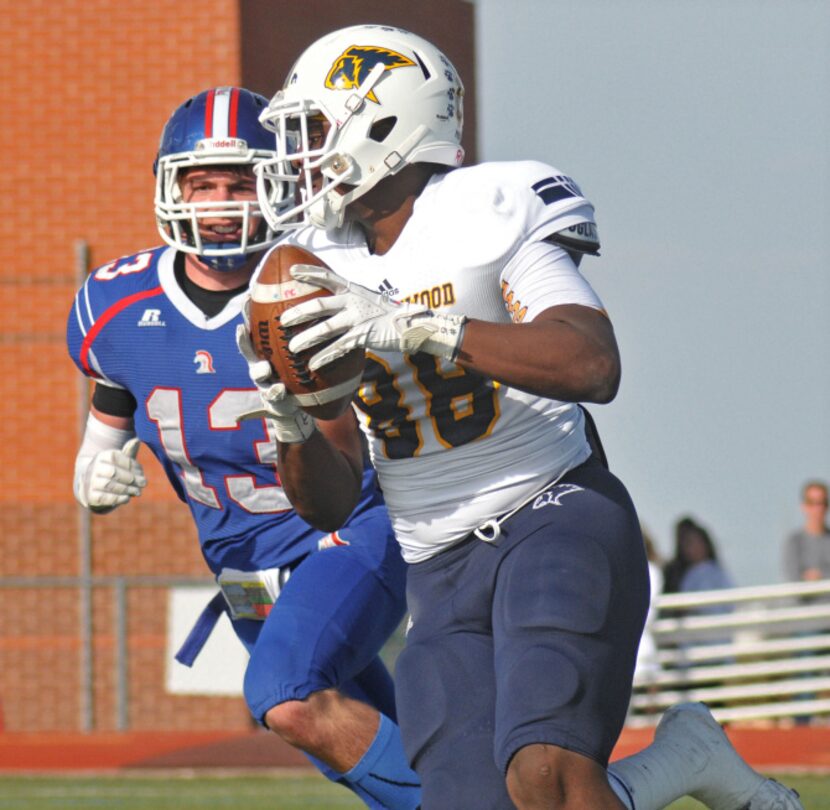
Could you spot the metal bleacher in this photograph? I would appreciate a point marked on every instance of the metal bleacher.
(751, 654)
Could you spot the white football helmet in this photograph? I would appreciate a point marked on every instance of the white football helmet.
(388, 98)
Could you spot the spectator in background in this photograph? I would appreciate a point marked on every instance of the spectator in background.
(695, 565)
(674, 569)
(648, 665)
(806, 554)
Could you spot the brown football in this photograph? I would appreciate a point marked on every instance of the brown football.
(327, 392)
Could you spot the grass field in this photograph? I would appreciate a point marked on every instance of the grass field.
(255, 792)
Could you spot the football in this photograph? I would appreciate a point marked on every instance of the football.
(327, 392)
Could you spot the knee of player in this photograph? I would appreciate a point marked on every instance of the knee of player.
(539, 770)
(563, 778)
(296, 721)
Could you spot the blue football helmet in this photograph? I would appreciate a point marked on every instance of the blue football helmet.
(218, 127)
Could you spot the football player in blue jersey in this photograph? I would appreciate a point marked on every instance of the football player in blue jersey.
(527, 585)
(155, 331)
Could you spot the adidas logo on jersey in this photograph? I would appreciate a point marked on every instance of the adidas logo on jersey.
(386, 289)
(151, 317)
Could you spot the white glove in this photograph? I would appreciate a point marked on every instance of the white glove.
(362, 319)
(291, 423)
(112, 478)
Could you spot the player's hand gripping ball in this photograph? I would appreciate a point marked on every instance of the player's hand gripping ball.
(327, 392)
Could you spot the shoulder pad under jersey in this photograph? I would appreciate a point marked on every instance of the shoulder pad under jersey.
(580, 238)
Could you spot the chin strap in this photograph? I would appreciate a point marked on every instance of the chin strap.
(226, 264)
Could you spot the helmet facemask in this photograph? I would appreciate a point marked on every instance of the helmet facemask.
(305, 154)
(180, 220)
(199, 135)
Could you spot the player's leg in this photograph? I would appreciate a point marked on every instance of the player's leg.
(569, 606)
(373, 685)
(583, 666)
(445, 682)
(351, 743)
(314, 677)
(249, 632)
(534, 780)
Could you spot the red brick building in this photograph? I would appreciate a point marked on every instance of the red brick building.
(87, 87)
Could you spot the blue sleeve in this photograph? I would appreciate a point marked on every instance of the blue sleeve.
(106, 292)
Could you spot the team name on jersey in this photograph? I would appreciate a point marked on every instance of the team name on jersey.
(514, 307)
(442, 295)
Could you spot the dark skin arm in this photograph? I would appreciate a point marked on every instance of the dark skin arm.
(567, 353)
(322, 476)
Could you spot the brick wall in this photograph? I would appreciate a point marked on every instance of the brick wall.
(87, 87)
(92, 82)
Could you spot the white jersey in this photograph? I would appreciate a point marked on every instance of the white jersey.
(454, 449)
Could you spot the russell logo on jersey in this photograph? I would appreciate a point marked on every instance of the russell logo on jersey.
(151, 317)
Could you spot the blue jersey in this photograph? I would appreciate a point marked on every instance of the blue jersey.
(133, 327)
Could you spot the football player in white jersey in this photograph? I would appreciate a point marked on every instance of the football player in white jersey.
(527, 581)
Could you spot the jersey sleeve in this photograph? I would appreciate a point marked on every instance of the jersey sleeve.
(81, 335)
(542, 275)
(485, 214)
(107, 291)
(553, 203)
(534, 201)
(542, 272)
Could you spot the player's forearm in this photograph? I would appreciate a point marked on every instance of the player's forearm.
(320, 481)
(570, 354)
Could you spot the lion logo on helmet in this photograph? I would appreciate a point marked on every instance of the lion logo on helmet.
(351, 68)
